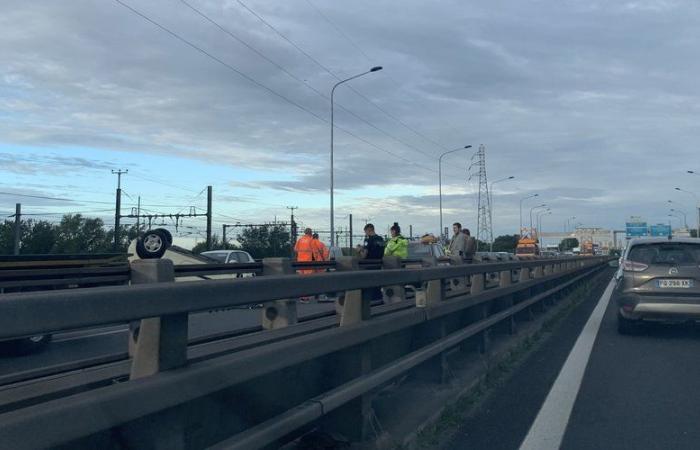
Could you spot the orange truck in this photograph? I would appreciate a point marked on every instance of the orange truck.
(527, 247)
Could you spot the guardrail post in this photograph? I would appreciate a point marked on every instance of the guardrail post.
(505, 280)
(395, 293)
(280, 313)
(477, 287)
(353, 306)
(461, 283)
(352, 420)
(160, 342)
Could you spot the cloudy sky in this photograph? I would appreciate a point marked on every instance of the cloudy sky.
(591, 104)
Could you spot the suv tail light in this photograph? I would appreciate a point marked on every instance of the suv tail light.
(634, 266)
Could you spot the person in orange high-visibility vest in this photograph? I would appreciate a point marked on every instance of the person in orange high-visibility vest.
(304, 249)
(321, 252)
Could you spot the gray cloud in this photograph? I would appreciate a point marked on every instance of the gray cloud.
(593, 105)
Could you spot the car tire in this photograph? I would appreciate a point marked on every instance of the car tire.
(167, 234)
(153, 244)
(626, 326)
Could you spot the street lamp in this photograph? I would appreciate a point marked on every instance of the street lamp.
(697, 202)
(373, 69)
(543, 205)
(685, 216)
(491, 202)
(520, 231)
(440, 180)
(540, 214)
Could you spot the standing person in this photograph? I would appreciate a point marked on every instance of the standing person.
(470, 247)
(397, 245)
(458, 244)
(320, 251)
(373, 247)
(304, 249)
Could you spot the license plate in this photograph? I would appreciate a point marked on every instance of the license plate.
(682, 284)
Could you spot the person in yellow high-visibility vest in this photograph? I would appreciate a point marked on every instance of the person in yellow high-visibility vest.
(397, 245)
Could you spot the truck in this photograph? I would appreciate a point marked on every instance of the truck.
(527, 247)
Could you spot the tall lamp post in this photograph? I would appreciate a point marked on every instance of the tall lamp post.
(373, 69)
(697, 202)
(543, 205)
(491, 201)
(440, 180)
(520, 231)
(685, 216)
(540, 214)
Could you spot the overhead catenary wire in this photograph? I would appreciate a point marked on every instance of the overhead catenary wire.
(337, 77)
(296, 78)
(261, 85)
(369, 59)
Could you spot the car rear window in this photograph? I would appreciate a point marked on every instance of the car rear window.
(418, 250)
(665, 253)
(218, 256)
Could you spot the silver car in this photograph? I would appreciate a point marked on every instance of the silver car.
(658, 280)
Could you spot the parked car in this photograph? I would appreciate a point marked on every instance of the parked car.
(418, 249)
(229, 256)
(658, 280)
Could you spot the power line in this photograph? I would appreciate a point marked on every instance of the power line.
(366, 56)
(42, 197)
(261, 85)
(295, 78)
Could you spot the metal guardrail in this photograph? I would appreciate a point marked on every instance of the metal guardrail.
(25, 314)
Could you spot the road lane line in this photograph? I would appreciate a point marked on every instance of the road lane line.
(547, 431)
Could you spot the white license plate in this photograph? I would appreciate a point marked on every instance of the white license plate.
(682, 284)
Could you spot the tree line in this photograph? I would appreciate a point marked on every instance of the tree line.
(73, 234)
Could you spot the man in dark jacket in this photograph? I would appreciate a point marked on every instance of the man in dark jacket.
(373, 247)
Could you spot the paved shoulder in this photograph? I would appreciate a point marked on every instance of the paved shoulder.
(505, 418)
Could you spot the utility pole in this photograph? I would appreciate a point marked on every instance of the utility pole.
(350, 231)
(138, 217)
(293, 228)
(209, 195)
(484, 230)
(118, 206)
(18, 226)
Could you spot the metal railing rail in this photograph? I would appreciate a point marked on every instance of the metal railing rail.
(105, 407)
(33, 313)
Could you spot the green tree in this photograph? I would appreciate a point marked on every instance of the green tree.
(216, 244)
(39, 239)
(506, 243)
(266, 241)
(77, 234)
(567, 244)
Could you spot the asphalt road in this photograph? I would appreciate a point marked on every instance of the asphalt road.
(587, 387)
(82, 344)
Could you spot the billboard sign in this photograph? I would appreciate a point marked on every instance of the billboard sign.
(636, 229)
(660, 230)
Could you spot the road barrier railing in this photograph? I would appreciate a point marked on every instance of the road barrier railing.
(347, 360)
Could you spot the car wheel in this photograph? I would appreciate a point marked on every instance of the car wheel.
(626, 326)
(168, 236)
(152, 244)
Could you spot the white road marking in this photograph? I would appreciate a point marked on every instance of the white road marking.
(547, 431)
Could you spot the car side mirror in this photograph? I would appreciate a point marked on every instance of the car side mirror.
(614, 263)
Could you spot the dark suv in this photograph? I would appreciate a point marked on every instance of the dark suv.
(658, 280)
